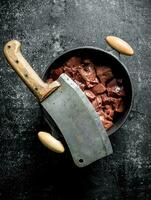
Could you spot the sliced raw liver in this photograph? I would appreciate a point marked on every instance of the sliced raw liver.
(57, 72)
(120, 107)
(80, 84)
(104, 73)
(116, 91)
(99, 88)
(73, 62)
(106, 123)
(88, 73)
(91, 96)
(98, 83)
(112, 83)
(109, 111)
(96, 104)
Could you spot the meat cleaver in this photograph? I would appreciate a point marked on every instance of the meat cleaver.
(68, 106)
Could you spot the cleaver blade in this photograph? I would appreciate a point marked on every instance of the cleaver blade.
(78, 122)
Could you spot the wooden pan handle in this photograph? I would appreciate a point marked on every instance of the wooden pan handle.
(50, 142)
(14, 56)
(120, 45)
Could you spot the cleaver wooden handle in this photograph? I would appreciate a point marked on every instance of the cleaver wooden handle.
(14, 56)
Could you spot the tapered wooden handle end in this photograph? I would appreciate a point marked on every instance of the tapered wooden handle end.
(50, 142)
(12, 45)
(120, 45)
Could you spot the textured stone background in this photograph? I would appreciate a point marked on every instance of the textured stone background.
(46, 28)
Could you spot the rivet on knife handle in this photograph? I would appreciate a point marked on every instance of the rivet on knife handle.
(50, 142)
(40, 89)
(120, 45)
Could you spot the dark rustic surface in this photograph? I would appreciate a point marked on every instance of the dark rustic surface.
(46, 28)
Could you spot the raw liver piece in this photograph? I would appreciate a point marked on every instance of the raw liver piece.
(56, 73)
(104, 73)
(105, 99)
(120, 107)
(112, 83)
(109, 111)
(88, 73)
(96, 105)
(91, 96)
(99, 99)
(106, 123)
(115, 88)
(80, 84)
(73, 62)
(91, 84)
(69, 71)
(117, 104)
(106, 116)
(78, 77)
(115, 91)
(99, 88)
